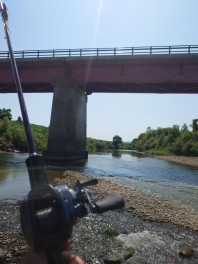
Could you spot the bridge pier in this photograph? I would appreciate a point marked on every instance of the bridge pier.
(67, 131)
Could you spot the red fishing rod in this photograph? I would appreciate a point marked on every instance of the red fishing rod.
(48, 213)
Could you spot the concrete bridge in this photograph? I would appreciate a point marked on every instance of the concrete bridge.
(72, 74)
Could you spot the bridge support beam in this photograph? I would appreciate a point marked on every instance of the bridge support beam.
(67, 131)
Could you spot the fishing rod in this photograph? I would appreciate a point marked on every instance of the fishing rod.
(34, 162)
(48, 213)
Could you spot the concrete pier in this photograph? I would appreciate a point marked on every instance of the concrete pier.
(67, 131)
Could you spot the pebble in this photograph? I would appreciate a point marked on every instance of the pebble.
(112, 260)
(110, 231)
(2, 256)
(185, 251)
(128, 253)
(138, 261)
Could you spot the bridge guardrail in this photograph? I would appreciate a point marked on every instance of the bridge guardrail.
(147, 50)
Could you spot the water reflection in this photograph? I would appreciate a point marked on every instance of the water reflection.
(119, 153)
(3, 175)
(10, 163)
(116, 154)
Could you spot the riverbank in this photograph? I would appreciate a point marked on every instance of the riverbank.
(183, 160)
(145, 205)
(155, 225)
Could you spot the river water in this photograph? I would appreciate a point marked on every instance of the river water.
(133, 170)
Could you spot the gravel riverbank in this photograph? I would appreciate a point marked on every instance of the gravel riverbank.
(183, 160)
(150, 229)
(148, 206)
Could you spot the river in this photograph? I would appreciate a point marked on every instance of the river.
(144, 173)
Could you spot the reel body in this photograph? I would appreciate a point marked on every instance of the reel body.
(48, 213)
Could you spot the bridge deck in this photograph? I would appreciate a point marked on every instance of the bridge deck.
(174, 71)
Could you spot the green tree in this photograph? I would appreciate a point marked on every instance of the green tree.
(195, 124)
(5, 113)
(4, 125)
(117, 140)
(98, 145)
(19, 139)
(184, 128)
(170, 140)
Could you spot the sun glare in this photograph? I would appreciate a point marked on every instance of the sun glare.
(100, 6)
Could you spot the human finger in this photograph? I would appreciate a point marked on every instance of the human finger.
(72, 259)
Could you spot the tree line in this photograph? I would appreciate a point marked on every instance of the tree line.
(12, 136)
(95, 145)
(171, 140)
(160, 141)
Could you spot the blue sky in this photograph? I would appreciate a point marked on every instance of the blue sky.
(66, 24)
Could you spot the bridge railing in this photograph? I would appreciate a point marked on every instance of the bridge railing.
(147, 50)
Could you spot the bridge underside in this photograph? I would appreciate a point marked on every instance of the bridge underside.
(142, 88)
(121, 74)
(161, 88)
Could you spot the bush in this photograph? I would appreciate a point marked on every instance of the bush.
(164, 141)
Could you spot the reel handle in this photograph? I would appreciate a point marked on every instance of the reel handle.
(112, 202)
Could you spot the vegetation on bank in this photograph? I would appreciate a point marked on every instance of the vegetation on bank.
(171, 140)
(95, 145)
(160, 141)
(12, 136)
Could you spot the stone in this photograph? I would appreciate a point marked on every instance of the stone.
(110, 231)
(2, 256)
(128, 253)
(112, 260)
(23, 247)
(185, 251)
(8, 255)
(139, 260)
